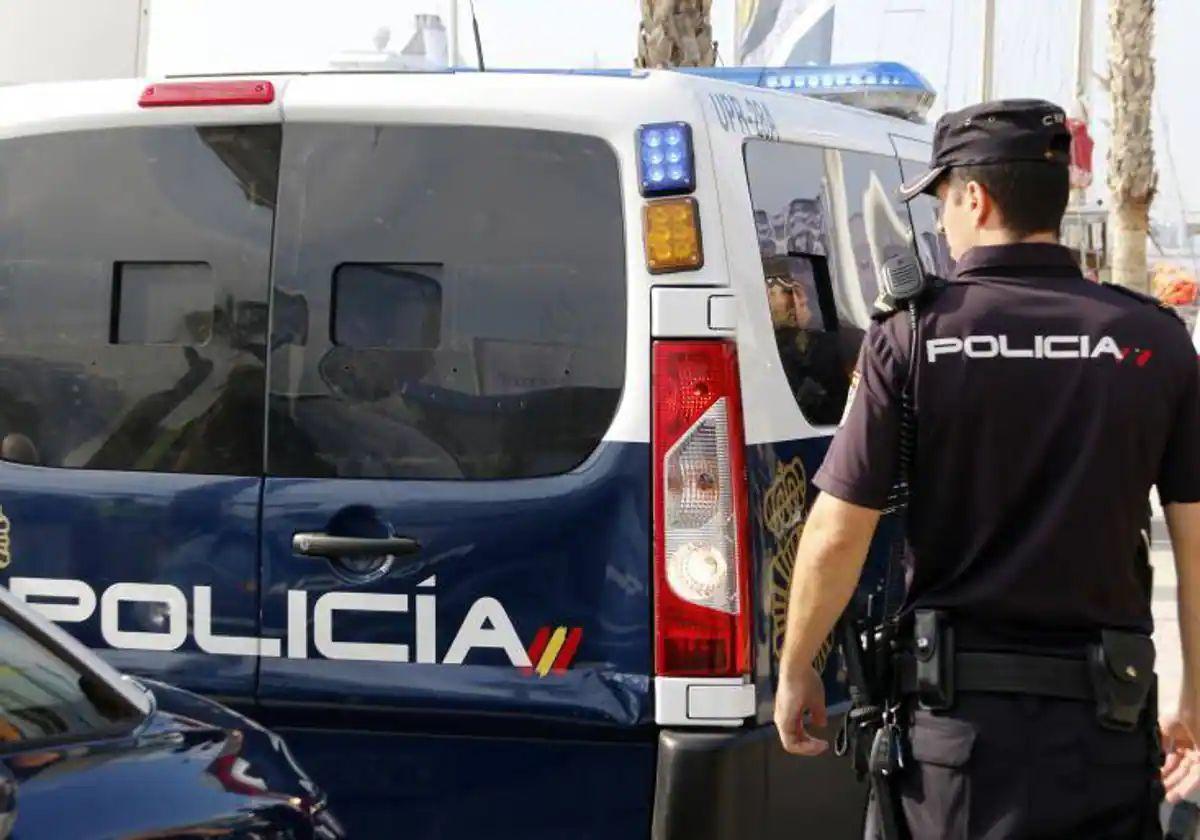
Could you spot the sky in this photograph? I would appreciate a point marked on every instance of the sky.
(939, 37)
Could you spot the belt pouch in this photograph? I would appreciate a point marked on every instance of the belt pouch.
(1122, 673)
(933, 649)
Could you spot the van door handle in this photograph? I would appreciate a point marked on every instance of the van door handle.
(331, 548)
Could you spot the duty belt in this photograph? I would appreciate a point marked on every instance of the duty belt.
(1005, 673)
(1116, 673)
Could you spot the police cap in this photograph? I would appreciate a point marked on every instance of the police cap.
(1003, 131)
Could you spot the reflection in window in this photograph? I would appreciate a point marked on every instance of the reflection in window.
(795, 195)
(163, 303)
(134, 268)
(466, 309)
(44, 696)
(933, 247)
(877, 221)
(387, 306)
(807, 337)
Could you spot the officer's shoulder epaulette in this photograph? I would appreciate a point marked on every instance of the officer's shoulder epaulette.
(886, 306)
(1144, 298)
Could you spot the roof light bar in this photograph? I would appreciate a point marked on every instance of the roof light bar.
(226, 92)
(884, 86)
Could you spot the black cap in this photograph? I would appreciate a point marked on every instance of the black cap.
(1003, 131)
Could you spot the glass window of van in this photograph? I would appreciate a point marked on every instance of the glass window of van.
(827, 220)
(134, 268)
(794, 213)
(456, 302)
(931, 243)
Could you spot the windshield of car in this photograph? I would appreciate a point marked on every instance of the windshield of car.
(44, 695)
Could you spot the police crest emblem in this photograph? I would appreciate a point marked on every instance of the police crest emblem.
(784, 509)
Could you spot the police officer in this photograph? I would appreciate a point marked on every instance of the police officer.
(1046, 407)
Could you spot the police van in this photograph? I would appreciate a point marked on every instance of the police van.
(457, 426)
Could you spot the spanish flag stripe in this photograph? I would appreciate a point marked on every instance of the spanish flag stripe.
(563, 660)
(552, 649)
(539, 644)
(535, 649)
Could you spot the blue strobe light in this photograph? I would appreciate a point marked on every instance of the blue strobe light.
(666, 164)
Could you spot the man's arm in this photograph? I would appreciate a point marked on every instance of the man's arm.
(1182, 771)
(829, 562)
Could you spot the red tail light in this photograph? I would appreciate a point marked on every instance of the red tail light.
(701, 553)
(232, 92)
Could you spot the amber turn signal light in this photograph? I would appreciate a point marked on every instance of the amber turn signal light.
(672, 232)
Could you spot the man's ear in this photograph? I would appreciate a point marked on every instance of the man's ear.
(979, 203)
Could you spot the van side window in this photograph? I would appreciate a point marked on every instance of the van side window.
(134, 268)
(790, 193)
(807, 335)
(455, 308)
(932, 247)
(877, 225)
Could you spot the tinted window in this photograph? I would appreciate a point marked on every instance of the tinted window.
(815, 353)
(931, 245)
(449, 302)
(876, 221)
(387, 306)
(796, 208)
(43, 695)
(134, 266)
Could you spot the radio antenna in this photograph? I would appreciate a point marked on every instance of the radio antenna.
(478, 41)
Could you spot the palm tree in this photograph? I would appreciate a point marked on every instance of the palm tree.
(1132, 180)
(676, 33)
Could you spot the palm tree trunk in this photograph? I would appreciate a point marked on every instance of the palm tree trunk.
(1132, 180)
(676, 33)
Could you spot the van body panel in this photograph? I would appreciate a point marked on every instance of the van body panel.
(58, 107)
(568, 551)
(78, 539)
(415, 785)
(505, 656)
(729, 786)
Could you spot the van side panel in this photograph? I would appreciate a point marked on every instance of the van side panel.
(389, 784)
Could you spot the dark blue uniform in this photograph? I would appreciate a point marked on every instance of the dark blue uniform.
(1047, 406)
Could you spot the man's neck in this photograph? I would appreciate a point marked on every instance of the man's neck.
(991, 236)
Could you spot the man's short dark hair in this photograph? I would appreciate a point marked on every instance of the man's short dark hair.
(1031, 195)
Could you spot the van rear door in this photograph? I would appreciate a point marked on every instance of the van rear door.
(452, 544)
(134, 268)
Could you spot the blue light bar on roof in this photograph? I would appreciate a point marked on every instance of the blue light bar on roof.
(666, 164)
(884, 86)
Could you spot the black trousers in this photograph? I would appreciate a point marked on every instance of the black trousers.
(1001, 767)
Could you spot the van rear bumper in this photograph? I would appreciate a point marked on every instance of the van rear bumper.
(718, 786)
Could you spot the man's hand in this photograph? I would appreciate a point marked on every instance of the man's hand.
(799, 692)
(1181, 770)
(829, 560)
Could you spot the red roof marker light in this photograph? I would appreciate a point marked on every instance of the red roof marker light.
(186, 94)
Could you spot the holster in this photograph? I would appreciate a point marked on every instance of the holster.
(933, 643)
(863, 735)
(1121, 668)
